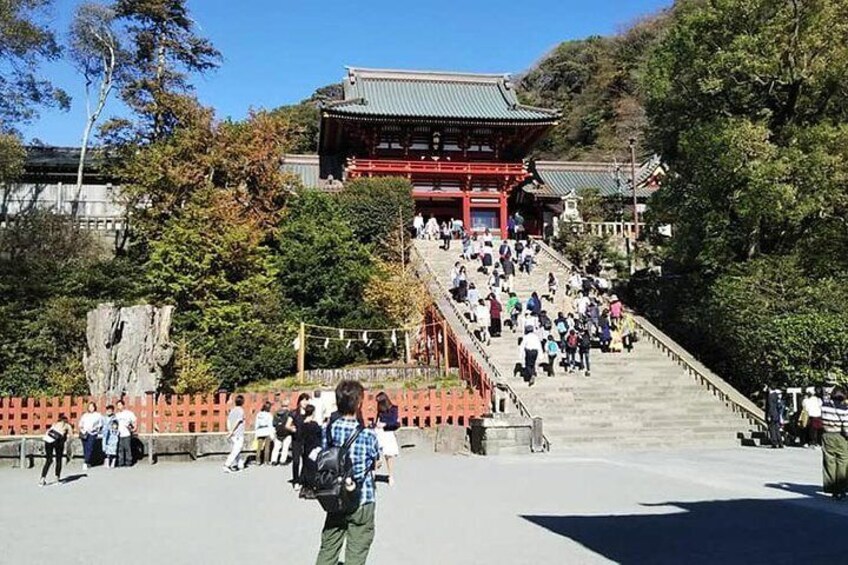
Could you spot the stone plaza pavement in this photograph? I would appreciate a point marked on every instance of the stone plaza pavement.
(741, 505)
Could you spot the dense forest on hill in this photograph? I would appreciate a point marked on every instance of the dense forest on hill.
(595, 83)
(305, 115)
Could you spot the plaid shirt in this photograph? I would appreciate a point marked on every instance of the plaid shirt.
(364, 453)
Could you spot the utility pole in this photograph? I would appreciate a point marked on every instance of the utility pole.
(633, 186)
(301, 353)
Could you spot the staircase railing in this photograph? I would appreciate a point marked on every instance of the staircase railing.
(735, 400)
(446, 305)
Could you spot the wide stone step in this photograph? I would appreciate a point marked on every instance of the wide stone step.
(637, 399)
(637, 435)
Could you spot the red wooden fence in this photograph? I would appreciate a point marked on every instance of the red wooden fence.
(208, 413)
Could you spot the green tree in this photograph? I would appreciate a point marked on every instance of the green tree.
(166, 49)
(375, 206)
(321, 266)
(25, 42)
(743, 99)
(51, 274)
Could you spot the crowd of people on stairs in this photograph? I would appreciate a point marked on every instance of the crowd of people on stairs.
(588, 315)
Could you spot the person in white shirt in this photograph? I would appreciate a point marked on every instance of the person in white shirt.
(454, 275)
(263, 429)
(235, 427)
(530, 322)
(812, 405)
(126, 426)
(432, 228)
(487, 237)
(90, 425)
(582, 304)
(484, 320)
(418, 224)
(575, 283)
(318, 402)
(532, 351)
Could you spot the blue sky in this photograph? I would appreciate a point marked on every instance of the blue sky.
(278, 52)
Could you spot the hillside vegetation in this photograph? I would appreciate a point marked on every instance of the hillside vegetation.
(595, 83)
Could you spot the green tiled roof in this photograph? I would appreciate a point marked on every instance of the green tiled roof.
(562, 178)
(411, 94)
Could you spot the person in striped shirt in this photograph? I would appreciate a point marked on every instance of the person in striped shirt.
(835, 444)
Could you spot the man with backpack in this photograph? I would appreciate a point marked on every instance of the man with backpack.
(345, 481)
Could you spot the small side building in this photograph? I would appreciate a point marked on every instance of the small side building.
(49, 183)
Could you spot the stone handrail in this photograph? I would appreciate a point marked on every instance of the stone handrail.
(734, 399)
(447, 305)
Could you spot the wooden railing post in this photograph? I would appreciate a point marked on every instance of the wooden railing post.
(445, 340)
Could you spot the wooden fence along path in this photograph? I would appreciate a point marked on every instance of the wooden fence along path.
(208, 413)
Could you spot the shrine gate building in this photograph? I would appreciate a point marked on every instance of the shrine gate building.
(460, 139)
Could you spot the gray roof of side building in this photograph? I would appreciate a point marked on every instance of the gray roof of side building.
(308, 169)
(39, 157)
(556, 179)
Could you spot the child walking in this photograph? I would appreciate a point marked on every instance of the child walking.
(552, 349)
(110, 444)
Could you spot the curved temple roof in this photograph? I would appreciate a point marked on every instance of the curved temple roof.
(423, 94)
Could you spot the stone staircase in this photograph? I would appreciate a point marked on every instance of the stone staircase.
(641, 399)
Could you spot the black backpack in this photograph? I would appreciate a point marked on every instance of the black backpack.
(279, 423)
(333, 468)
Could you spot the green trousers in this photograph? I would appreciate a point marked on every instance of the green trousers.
(835, 462)
(357, 527)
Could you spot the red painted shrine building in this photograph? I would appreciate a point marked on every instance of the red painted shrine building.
(460, 139)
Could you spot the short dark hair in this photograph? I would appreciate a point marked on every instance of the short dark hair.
(349, 396)
(309, 410)
(266, 406)
(303, 396)
(239, 400)
(110, 407)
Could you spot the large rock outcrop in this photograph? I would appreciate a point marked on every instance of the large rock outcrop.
(128, 349)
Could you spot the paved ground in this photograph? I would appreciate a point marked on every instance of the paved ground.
(730, 506)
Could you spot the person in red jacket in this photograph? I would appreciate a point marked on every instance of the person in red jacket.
(495, 311)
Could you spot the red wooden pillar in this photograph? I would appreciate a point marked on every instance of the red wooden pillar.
(503, 214)
(466, 210)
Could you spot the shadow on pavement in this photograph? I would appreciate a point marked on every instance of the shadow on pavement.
(717, 531)
(813, 491)
(72, 478)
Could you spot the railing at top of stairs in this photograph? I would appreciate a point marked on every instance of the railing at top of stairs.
(444, 297)
(734, 399)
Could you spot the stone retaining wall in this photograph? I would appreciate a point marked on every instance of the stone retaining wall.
(149, 448)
